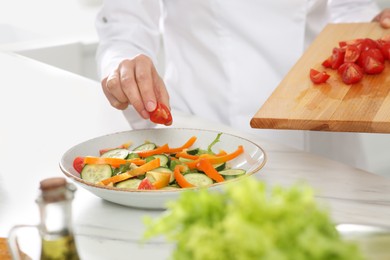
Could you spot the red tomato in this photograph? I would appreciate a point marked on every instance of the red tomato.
(351, 73)
(372, 61)
(78, 164)
(337, 58)
(373, 66)
(352, 53)
(328, 62)
(384, 46)
(161, 115)
(146, 185)
(368, 44)
(318, 77)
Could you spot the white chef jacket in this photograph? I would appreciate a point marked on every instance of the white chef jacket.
(220, 59)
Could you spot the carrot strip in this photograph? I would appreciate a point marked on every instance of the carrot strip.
(187, 156)
(114, 162)
(188, 144)
(206, 166)
(183, 183)
(123, 146)
(159, 150)
(153, 164)
(218, 159)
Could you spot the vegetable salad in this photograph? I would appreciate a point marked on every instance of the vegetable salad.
(150, 166)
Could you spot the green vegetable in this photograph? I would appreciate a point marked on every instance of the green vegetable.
(247, 221)
(216, 140)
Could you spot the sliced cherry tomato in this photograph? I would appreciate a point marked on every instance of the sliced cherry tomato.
(318, 77)
(372, 61)
(351, 73)
(145, 184)
(78, 164)
(337, 57)
(384, 46)
(161, 115)
(368, 44)
(373, 66)
(352, 53)
(328, 62)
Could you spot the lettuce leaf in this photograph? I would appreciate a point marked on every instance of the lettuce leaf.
(248, 221)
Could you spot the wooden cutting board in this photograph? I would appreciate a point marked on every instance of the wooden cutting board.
(299, 104)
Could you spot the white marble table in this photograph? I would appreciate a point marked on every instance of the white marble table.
(44, 111)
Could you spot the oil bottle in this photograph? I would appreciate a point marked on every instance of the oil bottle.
(55, 206)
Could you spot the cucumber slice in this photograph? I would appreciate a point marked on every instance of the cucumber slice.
(129, 184)
(132, 155)
(198, 179)
(176, 162)
(164, 160)
(96, 172)
(220, 166)
(193, 151)
(232, 173)
(116, 153)
(146, 147)
(184, 159)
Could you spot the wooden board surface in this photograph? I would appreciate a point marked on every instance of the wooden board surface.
(299, 104)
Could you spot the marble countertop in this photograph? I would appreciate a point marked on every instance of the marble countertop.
(44, 111)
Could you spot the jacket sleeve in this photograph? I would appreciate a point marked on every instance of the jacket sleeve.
(125, 29)
(352, 10)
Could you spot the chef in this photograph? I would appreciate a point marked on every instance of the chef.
(217, 59)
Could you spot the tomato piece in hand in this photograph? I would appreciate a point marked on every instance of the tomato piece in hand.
(318, 77)
(351, 73)
(78, 164)
(161, 115)
(145, 184)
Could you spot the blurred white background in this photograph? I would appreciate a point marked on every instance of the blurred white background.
(62, 33)
(58, 32)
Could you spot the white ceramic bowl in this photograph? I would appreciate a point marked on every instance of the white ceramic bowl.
(252, 161)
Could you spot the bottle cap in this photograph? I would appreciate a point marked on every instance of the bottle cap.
(52, 183)
(53, 189)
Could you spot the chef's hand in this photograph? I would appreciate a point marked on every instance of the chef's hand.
(135, 82)
(383, 18)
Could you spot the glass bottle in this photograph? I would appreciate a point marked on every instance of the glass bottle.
(55, 206)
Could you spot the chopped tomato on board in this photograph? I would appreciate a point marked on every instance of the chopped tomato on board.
(354, 58)
(318, 77)
(328, 62)
(337, 58)
(161, 115)
(352, 53)
(351, 73)
(384, 46)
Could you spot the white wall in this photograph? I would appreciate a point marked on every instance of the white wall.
(57, 32)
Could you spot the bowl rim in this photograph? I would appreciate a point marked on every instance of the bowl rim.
(114, 189)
